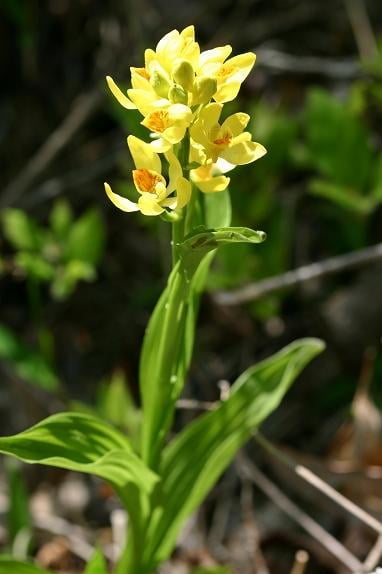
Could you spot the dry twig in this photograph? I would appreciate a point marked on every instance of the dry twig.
(298, 276)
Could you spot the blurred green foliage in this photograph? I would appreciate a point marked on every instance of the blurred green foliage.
(62, 254)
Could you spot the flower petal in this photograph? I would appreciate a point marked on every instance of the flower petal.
(121, 202)
(148, 204)
(244, 152)
(143, 155)
(215, 55)
(183, 191)
(119, 95)
(236, 123)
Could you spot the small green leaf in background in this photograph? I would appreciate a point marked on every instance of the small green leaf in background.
(61, 218)
(35, 265)
(86, 238)
(29, 365)
(115, 403)
(197, 456)
(11, 566)
(21, 230)
(69, 275)
(97, 564)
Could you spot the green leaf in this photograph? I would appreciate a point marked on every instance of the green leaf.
(115, 403)
(8, 565)
(197, 456)
(34, 264)
(207, 239)
(27, 364)
(21, 230)
(97, 564)
(168, 343)
(61, 218)
(81, 443)
(86, 238)
(67, 278)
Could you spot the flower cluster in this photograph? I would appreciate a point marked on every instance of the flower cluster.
(180, 93)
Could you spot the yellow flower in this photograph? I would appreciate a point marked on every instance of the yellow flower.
(174, 46)
(229, 74)
(228, 141)
(208, 178)
(155, 195)
(169, 124)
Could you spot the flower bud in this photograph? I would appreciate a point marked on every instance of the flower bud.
(160, 84)
(177, 95)
(183, 74)
(204, 89)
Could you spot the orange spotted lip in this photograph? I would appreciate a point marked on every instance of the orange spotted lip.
(146, 180)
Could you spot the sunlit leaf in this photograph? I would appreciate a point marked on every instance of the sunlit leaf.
(197, 456)
(97, 564)
(81, 443)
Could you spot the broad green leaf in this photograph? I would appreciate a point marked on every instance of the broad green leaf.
(197, 456)
(9, 565)
(97, 564)
(21, 230)
(27, 364)
(81, 443)
(86, 238)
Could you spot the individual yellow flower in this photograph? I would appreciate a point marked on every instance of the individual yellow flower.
(229, 74)
(209, 178)
(169, 124)
(211, 140)
(155, 195)
(173, 46)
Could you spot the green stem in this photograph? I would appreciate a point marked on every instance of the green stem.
(177, 238)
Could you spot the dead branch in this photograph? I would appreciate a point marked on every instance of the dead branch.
(297, 277)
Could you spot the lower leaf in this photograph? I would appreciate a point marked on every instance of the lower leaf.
(196, 458)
